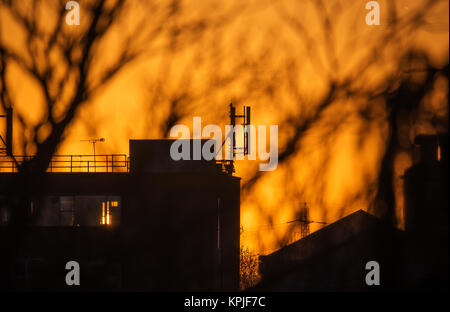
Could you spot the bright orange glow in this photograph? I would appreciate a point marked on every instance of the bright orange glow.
(106, 216)
(334, 173)
(439, 152)
(103, 213)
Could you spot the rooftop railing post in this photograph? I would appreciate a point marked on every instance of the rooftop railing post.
(95, 163)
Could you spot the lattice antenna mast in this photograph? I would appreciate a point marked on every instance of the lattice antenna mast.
(304, 226)
(305, 221)
(7, 142)
(246, 123)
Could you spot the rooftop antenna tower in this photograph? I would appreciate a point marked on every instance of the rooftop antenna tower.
(7, 141)
(229, 164)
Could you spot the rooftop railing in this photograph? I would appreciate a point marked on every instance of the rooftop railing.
(73, 163)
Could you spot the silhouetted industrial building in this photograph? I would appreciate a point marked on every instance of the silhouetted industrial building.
(334, 258)
(143, 223)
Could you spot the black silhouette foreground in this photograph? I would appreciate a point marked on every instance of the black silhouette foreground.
(162, 225)
(335, 257)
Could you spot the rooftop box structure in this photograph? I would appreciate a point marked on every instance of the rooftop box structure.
(154, 156)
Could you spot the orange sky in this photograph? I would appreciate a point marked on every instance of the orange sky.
(257, 48)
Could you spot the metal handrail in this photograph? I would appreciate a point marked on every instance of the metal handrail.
(73, 163)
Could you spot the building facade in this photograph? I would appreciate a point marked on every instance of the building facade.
(158, 225)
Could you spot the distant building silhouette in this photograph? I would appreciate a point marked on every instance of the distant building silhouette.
(334, 257)
(159, 225)
(426, 214)
(426, 186)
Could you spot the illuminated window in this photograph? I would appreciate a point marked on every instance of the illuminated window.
(103, 213)
(438, 153)
(108, 209)
(79, 210)
(107, 213)
(106, 217)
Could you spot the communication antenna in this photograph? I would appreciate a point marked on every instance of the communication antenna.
(229, 166)
(94, 141)
(246, 122)
(8, 142)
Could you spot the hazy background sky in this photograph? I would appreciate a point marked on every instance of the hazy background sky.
(278, 57)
